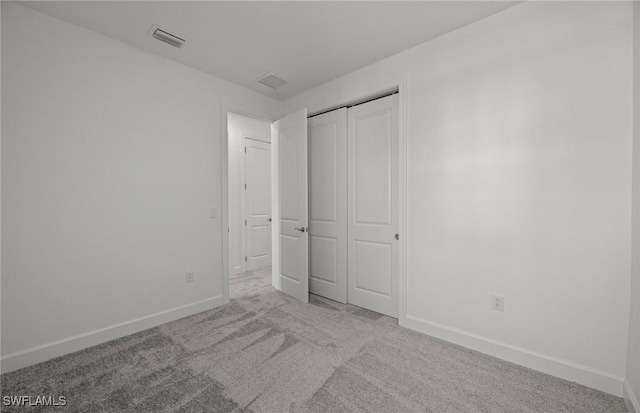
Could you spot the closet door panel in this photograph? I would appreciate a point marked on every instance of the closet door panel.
(328, 205)
(373, 205)
(372, 168)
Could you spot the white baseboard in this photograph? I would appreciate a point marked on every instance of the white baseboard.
(34, 355)
(630, 398)
(560, 368)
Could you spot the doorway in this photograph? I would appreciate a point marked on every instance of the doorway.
(249, 193)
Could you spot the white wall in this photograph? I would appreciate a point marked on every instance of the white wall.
(111, 160)
(240, 127)
(632, 385)
(518, 133)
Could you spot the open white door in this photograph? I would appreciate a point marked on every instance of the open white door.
(290, 240)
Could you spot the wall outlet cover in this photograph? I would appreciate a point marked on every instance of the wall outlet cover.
(497, 302)
(189, 276)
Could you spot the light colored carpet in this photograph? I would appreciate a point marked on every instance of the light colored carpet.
(266, 352)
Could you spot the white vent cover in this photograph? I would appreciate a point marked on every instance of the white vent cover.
(271, 80)
(166, 37)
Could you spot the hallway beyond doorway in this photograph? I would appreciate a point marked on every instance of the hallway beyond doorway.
(249, 282)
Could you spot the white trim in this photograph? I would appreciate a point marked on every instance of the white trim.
(24, 358)
(563, 369)
(403, 90)
(243, 202)
(630, 398)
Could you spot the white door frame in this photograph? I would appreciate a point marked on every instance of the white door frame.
(379, 89)
(225, 108)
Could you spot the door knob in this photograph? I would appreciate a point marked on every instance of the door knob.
(301, 229)
(269, 219)
(397, 236)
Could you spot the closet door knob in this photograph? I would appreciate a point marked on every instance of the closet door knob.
(301, 229)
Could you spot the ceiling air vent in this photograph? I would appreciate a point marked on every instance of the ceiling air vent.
(271, 80)
(167, 37)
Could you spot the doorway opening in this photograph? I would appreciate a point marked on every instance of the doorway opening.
(249, 196)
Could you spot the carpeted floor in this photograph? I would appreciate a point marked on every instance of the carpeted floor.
(266, 352)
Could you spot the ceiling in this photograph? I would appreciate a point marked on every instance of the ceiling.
(306, 43)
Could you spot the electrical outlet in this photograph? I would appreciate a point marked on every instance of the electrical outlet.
(190, 277)
(497, 302)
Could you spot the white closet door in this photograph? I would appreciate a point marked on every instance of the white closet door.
(257, 204)
(373, 205)
(328, 205)
(291, 243)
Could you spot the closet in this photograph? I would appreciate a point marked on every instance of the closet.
(353, 156)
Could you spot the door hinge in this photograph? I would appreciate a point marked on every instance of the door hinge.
(245, 149)
(245, 186)
(245, 258)
(245, 222)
